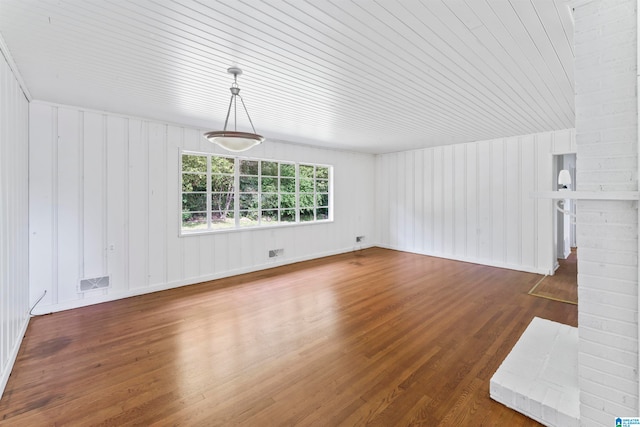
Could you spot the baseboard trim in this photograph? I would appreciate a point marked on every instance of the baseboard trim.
(100, 298)
(489, 263)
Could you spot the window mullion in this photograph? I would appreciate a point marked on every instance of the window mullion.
(259, 190)
(236, 192)
(279, 190)
(297, 196)
(315, 195)
(209, 207)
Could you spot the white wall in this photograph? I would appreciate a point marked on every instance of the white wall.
(104, 195)
(472, 202)
(14, 231)
(607, 141)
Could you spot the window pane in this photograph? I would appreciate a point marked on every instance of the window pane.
(323, 200)
(287, 169)
(269, 185)
(194, 221)
(222, 202)
(306, 171)
(269, 201)
(287, 185)
(248, 201)
(306, 201)
(287, 201)
(322, 186)
(248, 183)
(220, 220)
(322, 172)
(269, 169)
(193, 202)
(194, 163)
(248, 218)
(248, 167)
(270, 216)
(194, 182)
(306, 214)
(306, 185)
(221, 183)
(322, 213)
(222, 165)
(288, 215)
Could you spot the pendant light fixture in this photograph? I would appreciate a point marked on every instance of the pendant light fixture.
(234, 140)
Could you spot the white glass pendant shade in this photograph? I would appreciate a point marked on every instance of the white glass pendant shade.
(234, 140)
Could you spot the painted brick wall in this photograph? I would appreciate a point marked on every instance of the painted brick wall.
(606, 136)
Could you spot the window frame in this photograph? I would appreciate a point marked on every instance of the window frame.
(238, 210)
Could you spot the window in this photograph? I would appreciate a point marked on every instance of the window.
(221, 192)
(314, 193)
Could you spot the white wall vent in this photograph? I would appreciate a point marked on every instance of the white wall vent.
(94, 283)
(275, 253)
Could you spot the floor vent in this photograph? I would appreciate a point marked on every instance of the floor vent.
(94, 283)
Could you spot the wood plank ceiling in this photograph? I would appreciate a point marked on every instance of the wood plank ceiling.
(370, 76)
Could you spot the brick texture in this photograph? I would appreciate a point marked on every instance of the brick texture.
(606, 135)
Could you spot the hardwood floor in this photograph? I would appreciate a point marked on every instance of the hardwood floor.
(563, 285)
(375, 337)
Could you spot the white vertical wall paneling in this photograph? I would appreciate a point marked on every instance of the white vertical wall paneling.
(4, 224)
(448, 214)
(14, 216)
(460, 202)
(544, 181)
(471, 202)
(117, 198)
(68, 203)
(512, 201)
(528, 211)
(119, 212)
(175, 245)
(391, 199)
(476, 200)
(382, 199)
(191, 245)
(564, 142)
(41, 204)
(486, 210)
(418, 195)
(138, 202)
(93, 185)
(398, 206)
(157, 203)
(438, 200)
(429, 182)
(409, 196)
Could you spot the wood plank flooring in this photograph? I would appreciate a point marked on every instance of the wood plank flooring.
(563, 285)
(375, 337)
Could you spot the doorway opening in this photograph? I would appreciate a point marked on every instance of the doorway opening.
(563, 284)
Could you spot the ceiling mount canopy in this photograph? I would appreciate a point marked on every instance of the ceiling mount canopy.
(233, 140)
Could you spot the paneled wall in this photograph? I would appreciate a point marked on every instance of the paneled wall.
(104, 195)
(473, 202)
(14, 226)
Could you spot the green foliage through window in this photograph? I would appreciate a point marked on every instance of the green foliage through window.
(220, 192)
